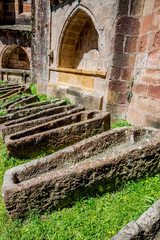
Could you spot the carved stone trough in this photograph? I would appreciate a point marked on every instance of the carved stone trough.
(91, 166)
(38, 118)
(57, 134)
(25, 112)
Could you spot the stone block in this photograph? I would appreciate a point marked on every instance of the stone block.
(123, 7)
(137, 7)
(147, 105)
(115, 73)
(148, 7)
(118, 86)
(130, 44)
(128, 25)
(57, 134)
(142, 41)
(134, 116)
(91, 100)
(93, 165)
(140, 89)
(154, 91)
(156, 4)
(127, 74)
(118, 43)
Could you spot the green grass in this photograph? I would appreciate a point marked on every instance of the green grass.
(95, 218)
(121, 123)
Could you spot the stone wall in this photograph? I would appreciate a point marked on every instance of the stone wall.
(145, 106)
(124, 39)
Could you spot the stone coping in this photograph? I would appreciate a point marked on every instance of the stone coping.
(146, 227)
(57, 134)
(80, 71)
(92, 166)
(16, 27)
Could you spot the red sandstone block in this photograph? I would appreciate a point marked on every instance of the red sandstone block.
(151, 76)
(150, 42)
(157, 4)
(134, 116)
(153, 59)
(147, 105)
(142, 41)
(154, 91)
(118, 86)
(133, 101)
(127, 74)
(115, 73)
(130, 44)
(128, 25)
(156, 44)
(122, 98)
(148, 20)
(140, 89)
(129, 60)
(118, 43)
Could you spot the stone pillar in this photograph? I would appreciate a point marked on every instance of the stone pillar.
(40, 43)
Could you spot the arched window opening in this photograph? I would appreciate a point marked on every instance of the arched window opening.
(79, 45)
(15, 58)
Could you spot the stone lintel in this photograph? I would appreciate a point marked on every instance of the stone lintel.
(97, 73)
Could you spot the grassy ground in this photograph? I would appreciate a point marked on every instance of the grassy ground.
(95, 218)
(99, 218)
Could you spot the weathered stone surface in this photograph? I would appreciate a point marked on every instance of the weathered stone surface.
(8, 89)
(7, 105)
(57, 134)
(146, 227)
(26, 112)
(91, 166)
(40, 118)
(11, 93)
(24, 101)
(33, 99)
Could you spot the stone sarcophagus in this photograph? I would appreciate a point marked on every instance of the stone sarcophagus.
(94, 165)
(36, 119)
(57, 134)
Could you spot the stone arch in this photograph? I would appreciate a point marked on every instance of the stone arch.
(15, 57)
(78, 45)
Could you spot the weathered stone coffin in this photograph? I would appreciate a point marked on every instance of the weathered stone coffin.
(11, 127)
(91, 166)
(29, 111)
(57, 134)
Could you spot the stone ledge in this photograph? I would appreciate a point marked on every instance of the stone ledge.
(16, 27)
(20, 71)
(91, 100)
(80, 72)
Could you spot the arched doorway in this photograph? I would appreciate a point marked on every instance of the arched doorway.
(15, 58)
(79, 43)
(15, 64)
